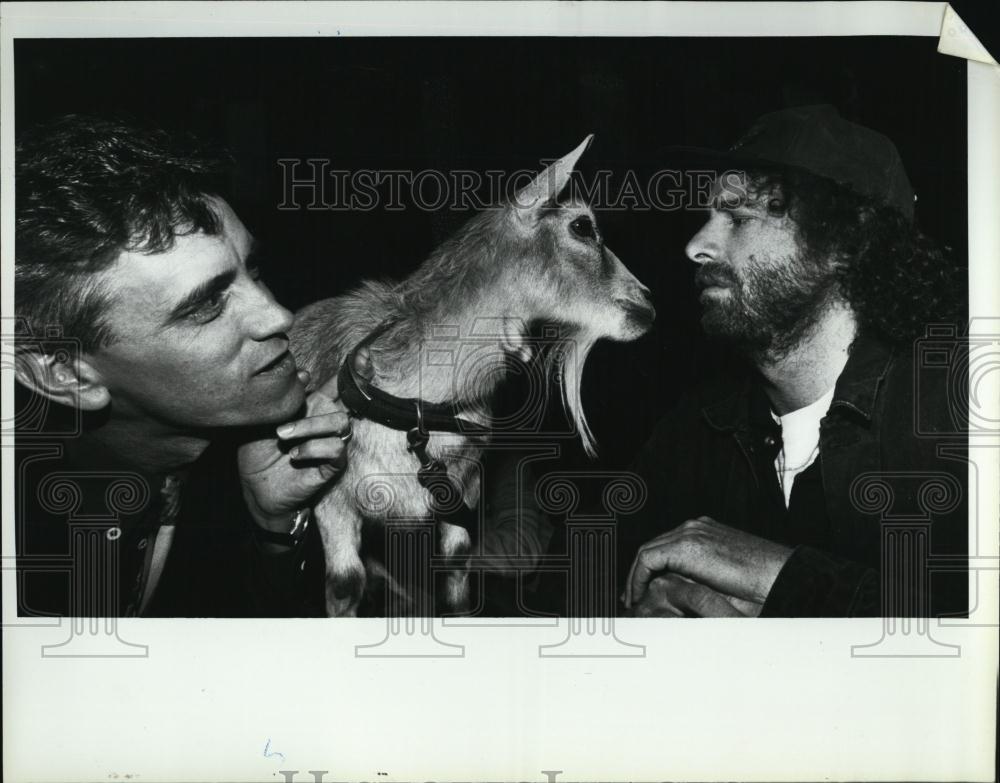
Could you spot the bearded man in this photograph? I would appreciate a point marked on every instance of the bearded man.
(761, 502)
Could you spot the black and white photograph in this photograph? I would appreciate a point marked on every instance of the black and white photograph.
(344, 346)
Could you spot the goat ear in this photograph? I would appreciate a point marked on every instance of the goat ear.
(544, 189)
(515, 338)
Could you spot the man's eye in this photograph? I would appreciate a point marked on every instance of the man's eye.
(739, 220)
(210, 309)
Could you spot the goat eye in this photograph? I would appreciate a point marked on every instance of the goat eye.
(583, 227)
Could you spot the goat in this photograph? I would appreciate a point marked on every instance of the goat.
(533, 260)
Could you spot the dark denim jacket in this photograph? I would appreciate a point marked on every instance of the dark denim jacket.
(893, 462)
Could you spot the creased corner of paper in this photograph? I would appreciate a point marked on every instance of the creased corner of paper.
(959, 41)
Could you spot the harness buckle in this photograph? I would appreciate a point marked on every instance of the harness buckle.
(416, 443)
(446, 502)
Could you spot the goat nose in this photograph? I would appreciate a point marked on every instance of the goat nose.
(644, 302)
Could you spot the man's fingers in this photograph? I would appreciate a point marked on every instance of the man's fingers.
(316, 426)
(648, 562)
(670, 537)
(331, 450)
(657, 601)
(691, 597)
(627, 597)
(630, 597)
(651, 560)
(649, 607)
(705, 602)
(745, 608)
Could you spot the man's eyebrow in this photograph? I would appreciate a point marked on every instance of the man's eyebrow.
(203, 292)
(728, 203)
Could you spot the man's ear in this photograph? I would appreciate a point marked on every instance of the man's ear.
(62, 378)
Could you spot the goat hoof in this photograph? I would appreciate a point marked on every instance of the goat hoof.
(343, 593)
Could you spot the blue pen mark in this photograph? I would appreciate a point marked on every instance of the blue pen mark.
(270, 754)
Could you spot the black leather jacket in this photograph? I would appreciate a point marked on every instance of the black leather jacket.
(78, 557)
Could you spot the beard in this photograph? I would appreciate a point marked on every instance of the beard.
(769, 308)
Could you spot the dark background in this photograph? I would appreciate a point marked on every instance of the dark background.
(506, 104)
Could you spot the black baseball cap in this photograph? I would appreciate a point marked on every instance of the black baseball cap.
(818, 140)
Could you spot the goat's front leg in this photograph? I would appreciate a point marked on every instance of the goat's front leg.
(455, 546)
(340, 529)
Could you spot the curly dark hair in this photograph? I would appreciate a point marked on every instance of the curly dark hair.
(88, 189)
(897, 280)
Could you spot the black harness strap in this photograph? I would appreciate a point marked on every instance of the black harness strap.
(399, 413)
(417, 418)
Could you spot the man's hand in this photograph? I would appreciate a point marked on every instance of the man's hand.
(280, 474)
(732, 563)
(672, 595)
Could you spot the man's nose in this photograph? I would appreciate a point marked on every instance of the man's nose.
(267, 317)
(703, 246)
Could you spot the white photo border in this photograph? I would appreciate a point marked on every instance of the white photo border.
(710, 700)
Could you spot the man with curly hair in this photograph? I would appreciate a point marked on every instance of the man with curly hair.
(809, 265)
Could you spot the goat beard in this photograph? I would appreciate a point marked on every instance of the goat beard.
(567, 363)
(770, 307)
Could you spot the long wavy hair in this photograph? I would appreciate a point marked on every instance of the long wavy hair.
(897, 279)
